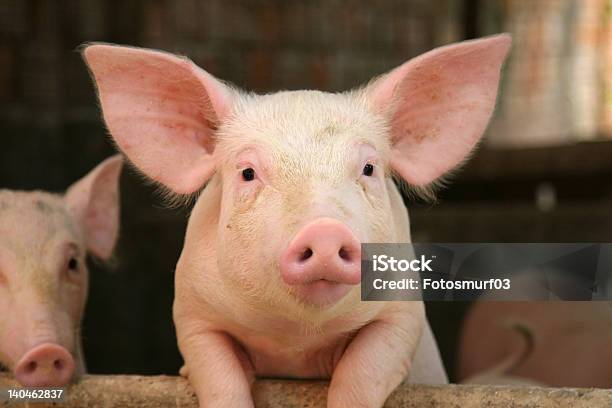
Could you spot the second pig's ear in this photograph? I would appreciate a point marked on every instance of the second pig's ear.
(439, 105)
(94, 202)
(161, 110)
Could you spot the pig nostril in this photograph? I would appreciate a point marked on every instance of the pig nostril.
(58, 364)
(31, 367)
(306, 255)
(344, 254)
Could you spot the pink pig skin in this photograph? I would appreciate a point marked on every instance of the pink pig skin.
(569, 341)
(44, 238)
(267, 283)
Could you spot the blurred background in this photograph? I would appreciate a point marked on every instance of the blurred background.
(542, 175)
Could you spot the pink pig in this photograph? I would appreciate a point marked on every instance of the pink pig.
(289, 185)
(44, 239)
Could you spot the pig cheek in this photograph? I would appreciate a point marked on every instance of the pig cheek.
(74, 296)
(11, 337)
(69, 310)
(381, 227)
(242, 255)
(375, 219)
(4, 305)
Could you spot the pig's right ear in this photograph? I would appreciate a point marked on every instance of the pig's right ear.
(161, 110)
(94, 202)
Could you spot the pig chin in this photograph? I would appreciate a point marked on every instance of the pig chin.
(320, 293)
(309, 308)
(314, 314)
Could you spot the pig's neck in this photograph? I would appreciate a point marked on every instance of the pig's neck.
(292, 355)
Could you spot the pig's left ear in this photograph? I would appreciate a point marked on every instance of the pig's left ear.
(439, 105)
(94, 202)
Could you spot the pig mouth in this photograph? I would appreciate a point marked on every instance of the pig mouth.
(321, 292)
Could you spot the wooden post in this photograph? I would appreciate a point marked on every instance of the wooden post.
(174, 392)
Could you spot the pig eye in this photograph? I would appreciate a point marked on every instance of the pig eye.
(368, 170)
(73, 264)
(248, 174)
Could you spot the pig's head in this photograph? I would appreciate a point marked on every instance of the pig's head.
(44, 239)
(300, 179)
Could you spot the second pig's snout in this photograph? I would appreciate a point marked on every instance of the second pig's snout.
(47, 365)
(323, 250)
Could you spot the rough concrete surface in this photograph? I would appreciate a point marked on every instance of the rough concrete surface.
(162, 391)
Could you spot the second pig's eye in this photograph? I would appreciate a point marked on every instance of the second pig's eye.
(73, 264)
(248, 174)
(368, 170)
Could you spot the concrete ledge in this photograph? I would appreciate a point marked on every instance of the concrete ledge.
(162, 391)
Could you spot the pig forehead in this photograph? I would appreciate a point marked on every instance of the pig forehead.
(29, 219)
(300, 120)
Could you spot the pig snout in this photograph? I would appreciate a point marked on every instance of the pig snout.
(322, 261)
(46, 365)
